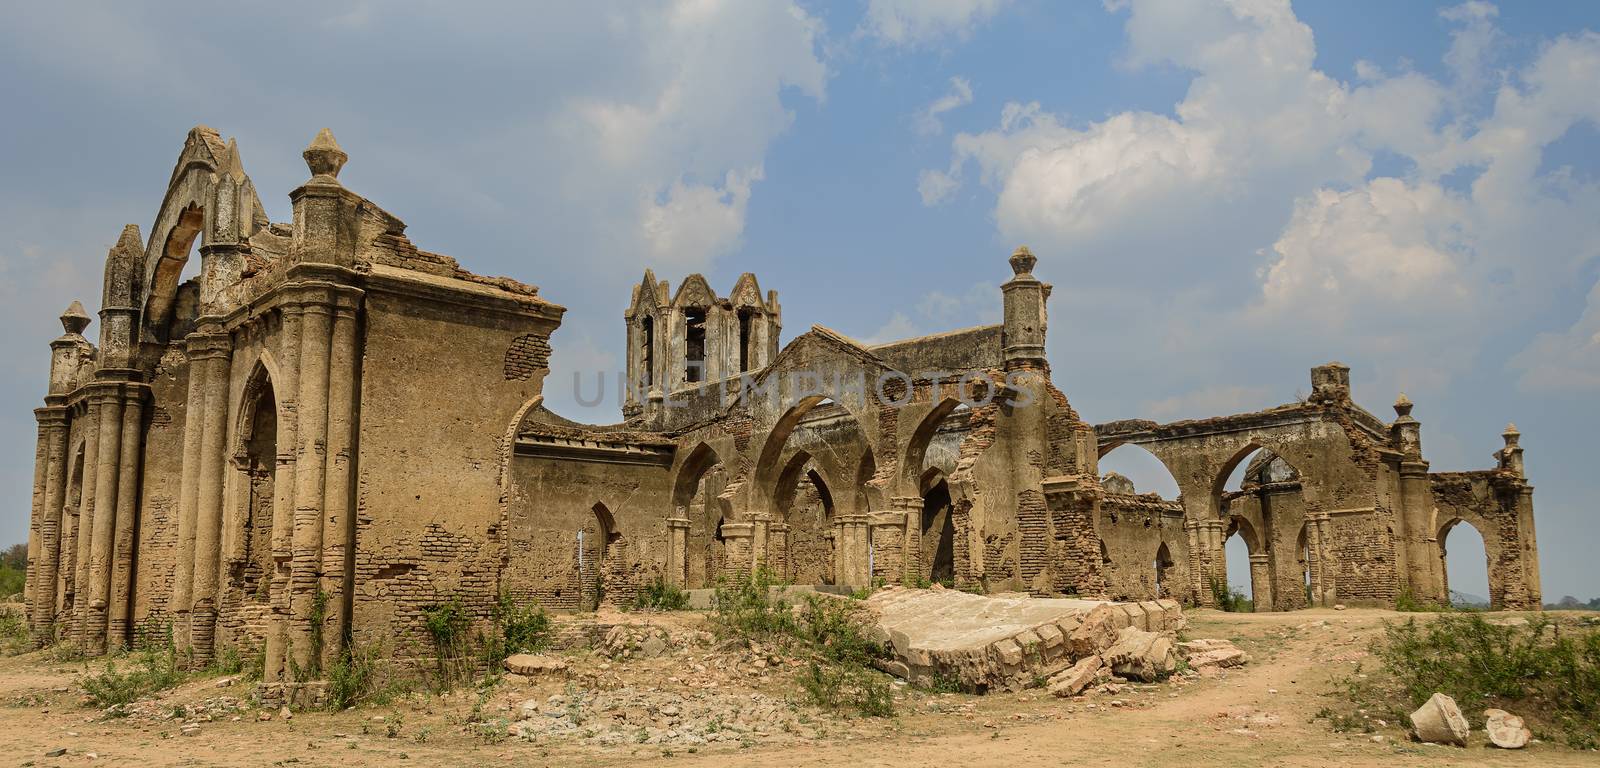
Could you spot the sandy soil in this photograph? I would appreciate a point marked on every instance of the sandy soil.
(1258, 715)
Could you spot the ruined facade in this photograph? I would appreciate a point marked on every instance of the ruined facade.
(329, 430)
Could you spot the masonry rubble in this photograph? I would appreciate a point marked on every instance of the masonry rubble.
(329, 431)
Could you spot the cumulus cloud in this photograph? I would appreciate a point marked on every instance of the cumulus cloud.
(1254, 200)
(959, 95)
(923, 22)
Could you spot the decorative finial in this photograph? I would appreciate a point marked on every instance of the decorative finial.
(324, 157)
(235, 167)
(1022, 261)
(75, 319)
(1511, 434)
(1403, 405)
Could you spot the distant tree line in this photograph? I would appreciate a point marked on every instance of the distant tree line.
(1570, 603)
(13, 569)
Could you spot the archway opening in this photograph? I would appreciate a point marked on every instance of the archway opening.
(801, 551)
(1259, 497)
(1466, 565)
(256, 459)
(696, 495)
(1132, 469)
(938, 530)
(174, 296)
(1163, 567)
(594, 547)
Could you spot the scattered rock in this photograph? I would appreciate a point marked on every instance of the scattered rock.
(1338, 606)
(1074, 679)
(1506, 730)
(285, 714)
(57, 752)
(190, 729)
(1439, 721)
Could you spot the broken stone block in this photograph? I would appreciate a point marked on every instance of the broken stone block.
(1506, 730)
(1439, 721)
(1141, 655)
(1078, 677)
(531, 665)
(1210, 655)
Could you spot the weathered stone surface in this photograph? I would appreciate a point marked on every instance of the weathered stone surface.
(1439, 721)
(1506, 730)
(1141, 655)
(1208, 654)
(1073, 680)
(530, 665)
(1004, 642)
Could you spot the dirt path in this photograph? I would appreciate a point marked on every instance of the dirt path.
(1259, 715)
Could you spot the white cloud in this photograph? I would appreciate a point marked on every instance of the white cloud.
(698, 222)
(960, 95)
(923, 22)
(1255, 204)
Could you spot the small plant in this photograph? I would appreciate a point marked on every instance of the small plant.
(393, 725)
(745, 606)
(153, 670)
(1230, 599)
(447, 623)
(519, 628)
(13, 632)
(353, 677)
(1407, 602)
(661, 595)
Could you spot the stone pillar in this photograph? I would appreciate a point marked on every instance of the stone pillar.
(1261, 582)
(310, 479)
(53, 472)
(189, 490)
(86, 502)
(738, 559)
(41, 462)
(912, 565)
(106, 467)
(778, 550)
(208, 510)
(287, 390)
(123, 542)
(338, 539)
(678, 548)
(759, 524)
(854, 553)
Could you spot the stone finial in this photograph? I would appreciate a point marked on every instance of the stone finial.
(1022, 261)
(235, 166)
(1403, 406)
(324, 157)
(75, 319)
(1511, 435)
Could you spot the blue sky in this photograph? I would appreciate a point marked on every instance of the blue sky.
(1223, 195)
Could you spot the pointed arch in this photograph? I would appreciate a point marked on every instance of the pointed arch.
(1163, 567)
(916, 448)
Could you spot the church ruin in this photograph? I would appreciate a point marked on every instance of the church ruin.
(330, 430)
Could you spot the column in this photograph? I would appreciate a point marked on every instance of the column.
(105, 517)
(53, 428)
(208, 507)
(123, 543)
(283, 491)
(339, 535)
(678, 548)
(41, 463)
(310, 479)
(86, 502)
(912, 565)
(188, 492)
(758, 540)
(1261, 582)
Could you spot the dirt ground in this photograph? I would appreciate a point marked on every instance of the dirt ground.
(1257, 715)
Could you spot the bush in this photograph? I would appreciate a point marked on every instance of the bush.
(660, 595)
(1230, 599)
(13, 631)
(519, 628)
(831, 631)
(353, 678)
(153, 670)
(1547, 673)
(448, 623)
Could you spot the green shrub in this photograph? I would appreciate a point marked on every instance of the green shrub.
(12, 580)
(152, 670)
(661, 595)
(829, 630)
(1408, 602)
(1547, 673)
(448, 624)
(13, 632)
(518, 628)
(1230, 599)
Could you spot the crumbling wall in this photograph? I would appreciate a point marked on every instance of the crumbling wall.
(1494, 503)
(161, 477)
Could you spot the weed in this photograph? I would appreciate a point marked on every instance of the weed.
(518, 628)
(661, 595)
(1230, 599)
(152, 670)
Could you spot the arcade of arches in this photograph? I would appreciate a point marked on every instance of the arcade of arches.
(331, 425)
